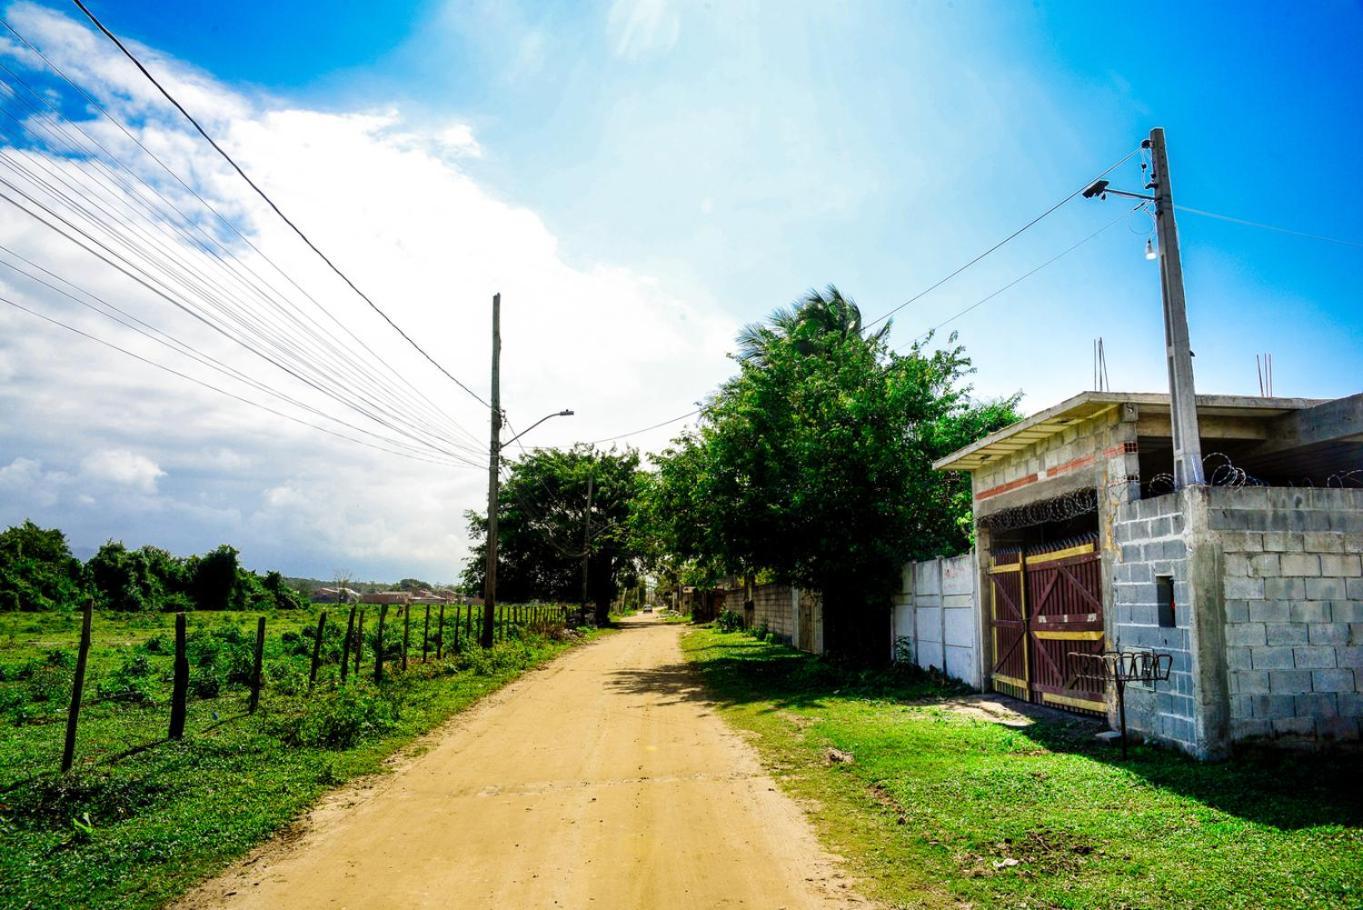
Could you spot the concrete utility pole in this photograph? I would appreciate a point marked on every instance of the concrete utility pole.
(586, 542)
(494, 463)
(1182, 396)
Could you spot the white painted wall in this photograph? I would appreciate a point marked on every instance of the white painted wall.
(937, 612)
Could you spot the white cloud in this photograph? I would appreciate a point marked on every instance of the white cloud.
(458, 139)
(172, 463)
(124, 468)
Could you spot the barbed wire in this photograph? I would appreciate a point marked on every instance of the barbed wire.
(1218, 468)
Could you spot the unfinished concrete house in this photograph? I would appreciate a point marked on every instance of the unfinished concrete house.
(1251, 582)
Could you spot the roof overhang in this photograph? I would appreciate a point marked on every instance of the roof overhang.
(1086, 405)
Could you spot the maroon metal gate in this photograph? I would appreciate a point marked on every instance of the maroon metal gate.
(1047, 608)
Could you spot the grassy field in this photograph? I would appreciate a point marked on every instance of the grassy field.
(942, 808)
(141, 818)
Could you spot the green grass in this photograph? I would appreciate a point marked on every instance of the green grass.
(163, 815)
(936, 803)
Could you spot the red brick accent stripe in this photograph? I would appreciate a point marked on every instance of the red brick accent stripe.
(1005, 487)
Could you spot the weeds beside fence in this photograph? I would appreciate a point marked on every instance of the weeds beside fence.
(141, 815)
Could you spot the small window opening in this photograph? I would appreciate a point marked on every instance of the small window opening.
(1164, 599)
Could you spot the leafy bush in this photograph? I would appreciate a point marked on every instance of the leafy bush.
(761, 632)
(49, 683)
(729, 621)
(205, 685)
(224, 650)
(131, 682)
(341, 718)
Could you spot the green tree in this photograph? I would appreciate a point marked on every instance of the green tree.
(815, 462)
(541, 522)
(37, 570)
(132, 580)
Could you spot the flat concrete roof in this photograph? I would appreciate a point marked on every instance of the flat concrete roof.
(1057, 418)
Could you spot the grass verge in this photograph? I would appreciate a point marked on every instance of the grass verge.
(941, 808)
(141, 819)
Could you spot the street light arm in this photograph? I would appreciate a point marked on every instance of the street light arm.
(564, 413)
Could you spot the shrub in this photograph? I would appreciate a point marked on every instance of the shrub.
(341, 718)
(729, 621)
(130, 683)
(224, 650)
(49, 682)
(205, 685)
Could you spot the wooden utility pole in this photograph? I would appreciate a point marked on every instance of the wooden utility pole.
(1182, 396)
(494, 464)
(586, 543)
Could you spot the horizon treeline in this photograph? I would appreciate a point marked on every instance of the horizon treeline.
(39, 572)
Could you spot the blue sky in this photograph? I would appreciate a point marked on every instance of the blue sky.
(756, 150)
(687, 167)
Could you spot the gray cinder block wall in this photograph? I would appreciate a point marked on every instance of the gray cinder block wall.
(1293, 610)
(936, 614)
(1151, 540)
(1268, 635)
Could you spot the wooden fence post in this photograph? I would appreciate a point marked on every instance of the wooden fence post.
(458, 621)
(359, 644)
(440, 634)
(255, 670)
(406, 633)
(345, 645)
(77, 686)
(378, 647)
(426, 635)
(317, 648)
(180, 689)
(468, 623)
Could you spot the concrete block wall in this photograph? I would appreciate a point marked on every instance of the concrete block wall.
(1293, 577)
(1057, 453)
(937, 614)
(779, 607)
(772, 607)
(1150, 535)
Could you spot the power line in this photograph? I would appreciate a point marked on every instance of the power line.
(932, 287)
(140, 326)
(263, 195)
(163, 290)
(312, 332)
(1267, 227)
(1018, 280)
(221, 391)
(226, 222)
(645, 429)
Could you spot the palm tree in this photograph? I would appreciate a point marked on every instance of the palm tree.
(813, 316)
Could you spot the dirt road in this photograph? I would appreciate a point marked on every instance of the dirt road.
(603, 780)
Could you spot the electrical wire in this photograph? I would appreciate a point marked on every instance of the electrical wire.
(263, 195)
(210, 244)
(134, 323)
(158, 287)
(1016, 281)
(655, 426)
(200, 382)
(934, 286)
(1267, 227)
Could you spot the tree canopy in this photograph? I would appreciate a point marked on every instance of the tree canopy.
(38, 572)
(541, 523)
(814, 463)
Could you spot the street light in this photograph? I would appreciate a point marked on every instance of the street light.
(563, 413)
(494, 486)
(1182, 395)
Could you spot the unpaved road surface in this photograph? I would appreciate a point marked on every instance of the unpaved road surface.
(603, 780)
